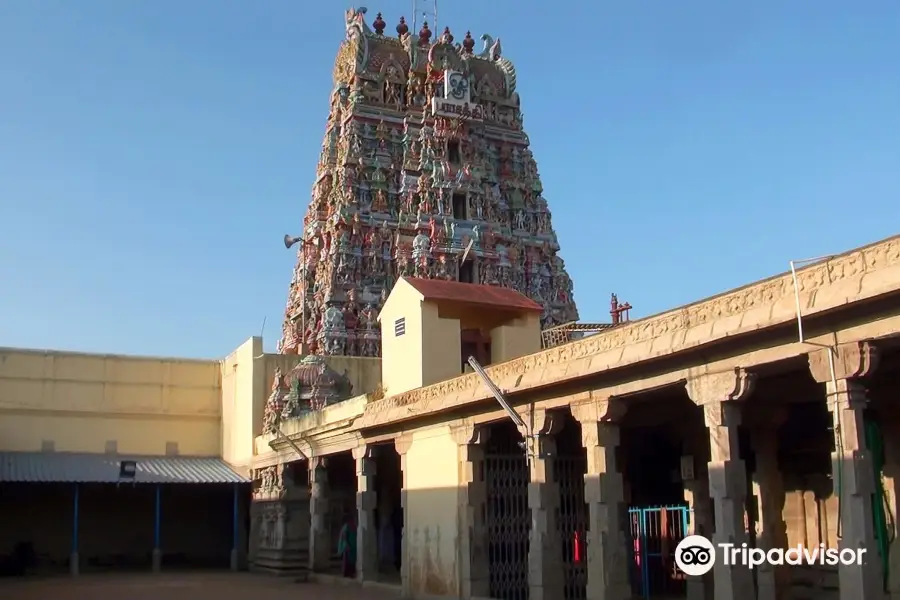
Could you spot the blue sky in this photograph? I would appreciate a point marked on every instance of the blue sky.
(153, 152)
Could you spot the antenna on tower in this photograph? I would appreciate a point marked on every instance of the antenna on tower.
(426, 16)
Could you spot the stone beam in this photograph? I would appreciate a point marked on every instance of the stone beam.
(841, 281)
(381, 414)
(324, 445)
(849, 361)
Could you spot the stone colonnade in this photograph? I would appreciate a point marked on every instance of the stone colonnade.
(292, 524)
(719, 489)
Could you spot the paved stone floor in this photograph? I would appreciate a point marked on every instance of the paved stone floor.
(182, 586)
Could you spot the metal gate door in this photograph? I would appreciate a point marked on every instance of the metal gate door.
(508, 521)
(572, 524)
(655, 532)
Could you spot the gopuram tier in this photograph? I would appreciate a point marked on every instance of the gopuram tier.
(425, 171)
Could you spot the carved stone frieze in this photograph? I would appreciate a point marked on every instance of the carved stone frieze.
(670, 328)
(271, 483)
(271, 526)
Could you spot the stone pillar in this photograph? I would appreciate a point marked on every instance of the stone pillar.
(607, 535)
(366, 502)
(402, 445)
(473, 554)
(319, 531)
(545, 580)
(280, 510)
(891, 436)
(772, 581)
(696, 495)
(840, 370)
(719, 395)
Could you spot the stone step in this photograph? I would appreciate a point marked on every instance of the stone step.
(282, 563)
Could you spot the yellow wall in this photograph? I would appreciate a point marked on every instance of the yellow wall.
(431, 351)
(431, 473)
(401, 367)
(428, 352)
(243, 400)
(517, 338)
(441, 347)
(79, 402)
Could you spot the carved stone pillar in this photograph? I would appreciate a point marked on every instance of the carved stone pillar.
(280, 511)
(891, 436)
(696, 495)
(473, 555)
(545, 580)
(719, 395)
(319, 533)
(402, 445)
(841, 370)
(607, 535)
(366, 502)
(772, 581)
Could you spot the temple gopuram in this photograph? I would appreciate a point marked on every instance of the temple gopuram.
(426, 172)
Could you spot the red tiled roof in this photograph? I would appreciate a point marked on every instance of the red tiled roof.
(472, 293)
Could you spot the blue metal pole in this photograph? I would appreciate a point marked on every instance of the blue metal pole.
(75, 502)
(158, 521)
(645, 570)
(234, 520)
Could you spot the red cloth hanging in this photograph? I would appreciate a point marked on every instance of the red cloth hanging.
(577, 548)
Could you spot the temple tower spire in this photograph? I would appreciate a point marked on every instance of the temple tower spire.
(424, 152)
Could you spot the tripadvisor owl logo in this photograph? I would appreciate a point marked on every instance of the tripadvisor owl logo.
(695, 555)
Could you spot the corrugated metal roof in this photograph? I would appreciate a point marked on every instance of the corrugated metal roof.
(66, 467)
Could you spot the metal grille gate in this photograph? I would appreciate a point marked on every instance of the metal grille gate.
(655, 532)
(508, 521)
(570, 472)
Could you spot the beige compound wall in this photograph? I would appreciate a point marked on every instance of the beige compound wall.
(73, 402)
